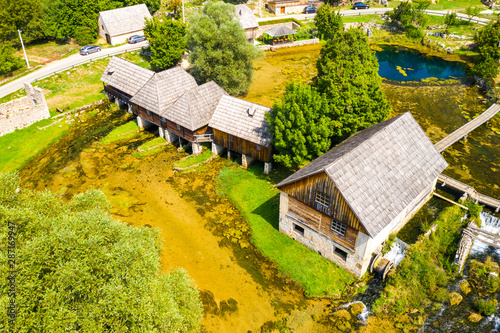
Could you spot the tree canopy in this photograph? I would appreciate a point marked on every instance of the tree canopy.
(166, 42)
(411, 16)
(219, 49)
(74, 268)
(348, 75)
(488, 41)
(328, 21)
(301, 125)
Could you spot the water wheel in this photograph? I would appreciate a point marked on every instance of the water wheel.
(381, 266)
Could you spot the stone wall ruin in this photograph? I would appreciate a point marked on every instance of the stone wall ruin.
(24, 111)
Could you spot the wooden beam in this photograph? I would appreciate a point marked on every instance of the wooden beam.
(451, 201)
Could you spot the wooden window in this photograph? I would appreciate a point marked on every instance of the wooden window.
(339, 227)
(148, 113)
(230, 138)
(178, 127)
(258, 147)
(298, 229)
(163, 119)
(322, 202)
(342, 254)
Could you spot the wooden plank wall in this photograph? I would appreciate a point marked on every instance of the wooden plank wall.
(305, 189)
(321, 223)
(242, 146)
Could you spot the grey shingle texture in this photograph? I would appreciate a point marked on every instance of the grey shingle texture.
(380, 170)
(195, 107)
(246, 17)
(125, 20)
(280, 31)
(243, 119)
(125, 76)
(163, 89)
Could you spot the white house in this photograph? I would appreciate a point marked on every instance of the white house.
(117, 25)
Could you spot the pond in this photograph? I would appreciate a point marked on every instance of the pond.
(400, 64)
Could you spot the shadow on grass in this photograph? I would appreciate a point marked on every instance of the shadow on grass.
(269, 211)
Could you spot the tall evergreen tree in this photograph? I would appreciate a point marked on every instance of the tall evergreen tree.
(301, 125)
(348, 75)
(219, 49)
(167, 42)
(328, 21)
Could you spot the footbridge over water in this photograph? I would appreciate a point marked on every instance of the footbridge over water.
(467, 128)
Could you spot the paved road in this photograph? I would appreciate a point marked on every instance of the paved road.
(63, 64)
(372, 11)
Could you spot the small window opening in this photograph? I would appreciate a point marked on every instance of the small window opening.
(258, 147)
(148, 113)
(178, 127)
(340, 253)
(322, 202)
(163, 119)
(35, 101)
(298, 229)
(230, 137)
(339, 227)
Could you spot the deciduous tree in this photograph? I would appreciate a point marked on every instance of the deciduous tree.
(77, 269)
(8, 62)
(488, 41)
(219, 49)
(301, 125)
(348, 75)
(167, 42)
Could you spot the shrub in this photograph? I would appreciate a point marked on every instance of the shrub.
(451, 19)
(486, 307)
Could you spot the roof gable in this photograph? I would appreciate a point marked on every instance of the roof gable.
(194, 109)
(243, 119)
(380, 170)
(125, 20)
(246, 17)
(163, 89)
(125, 76)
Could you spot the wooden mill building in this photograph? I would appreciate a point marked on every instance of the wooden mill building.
(241, 126)
(347, 202)
(117, 25)
(248, 21)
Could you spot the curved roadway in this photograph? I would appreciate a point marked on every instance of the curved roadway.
(64, 64)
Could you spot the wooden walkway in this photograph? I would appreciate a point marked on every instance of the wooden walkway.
(470, 192)
(467, 128)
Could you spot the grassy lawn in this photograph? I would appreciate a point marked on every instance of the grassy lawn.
(456, 4)
(124, 132)
(21, 146)
(145, 149)
(193, 160)
(258, 202)
(363, 18)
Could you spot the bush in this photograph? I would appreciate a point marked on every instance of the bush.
(84, 35)
(8, 62)
(486, 307)
(414, 32)
(451, 19)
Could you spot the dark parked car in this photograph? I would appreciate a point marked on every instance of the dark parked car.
(309, 10)
(89, 49)
(136, 39)
(360, 5)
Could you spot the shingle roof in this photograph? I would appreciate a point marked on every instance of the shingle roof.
(125, 76)
(125, 20)
(194, 109)
(233, 116)
(380, 170)
(280, 31)
(163, 89)
(246, 17)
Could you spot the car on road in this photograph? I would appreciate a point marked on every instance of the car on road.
(310, 10)
(136, 39)
(89, 49)
(360, 5)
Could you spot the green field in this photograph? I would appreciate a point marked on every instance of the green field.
(258, 202)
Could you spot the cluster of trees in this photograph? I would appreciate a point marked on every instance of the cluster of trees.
(411, 17)
(488, 42)
(216, 42)
(71, 267)
(52, 20)
(343, 98)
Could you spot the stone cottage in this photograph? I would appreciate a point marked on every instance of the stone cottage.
(117, 25)
(347, 202)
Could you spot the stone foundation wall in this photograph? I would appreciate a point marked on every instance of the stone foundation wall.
(24, 111)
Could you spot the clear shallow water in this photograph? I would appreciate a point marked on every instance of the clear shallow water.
(405, 65)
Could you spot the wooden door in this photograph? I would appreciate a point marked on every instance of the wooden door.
(108, 39)
(282, 10)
